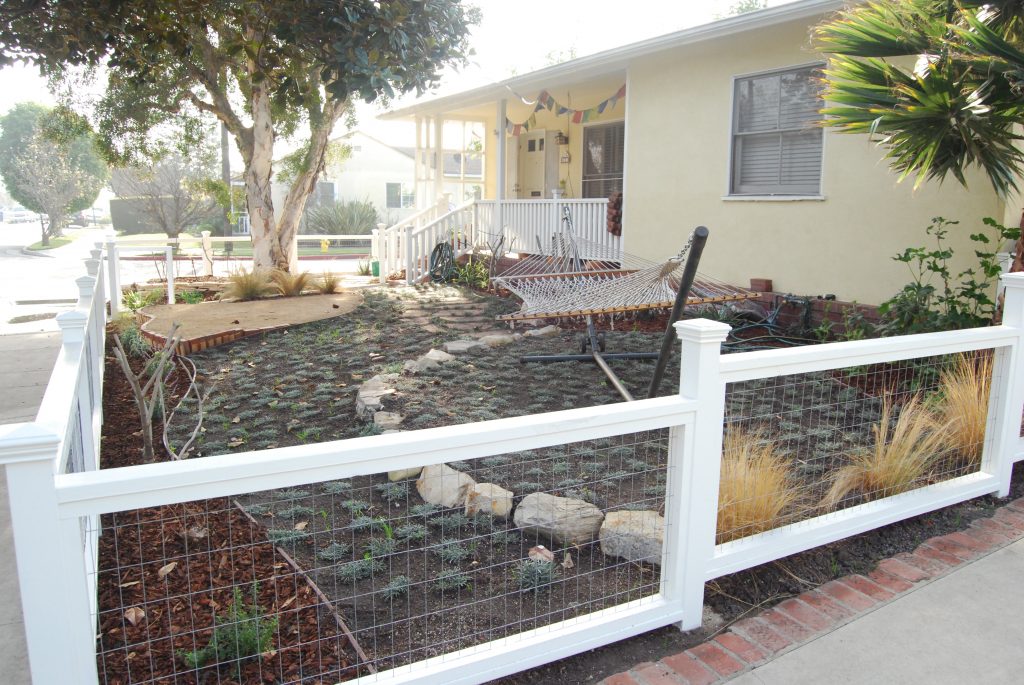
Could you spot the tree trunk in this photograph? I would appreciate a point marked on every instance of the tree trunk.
(267, 250)
(44, 239)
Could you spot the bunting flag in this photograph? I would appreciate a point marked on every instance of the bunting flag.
(547, 101)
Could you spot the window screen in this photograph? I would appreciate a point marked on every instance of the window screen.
(776, 140)
(603, 159)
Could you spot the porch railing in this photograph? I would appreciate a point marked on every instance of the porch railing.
(57, 495)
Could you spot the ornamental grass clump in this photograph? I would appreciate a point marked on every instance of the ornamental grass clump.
(289, 284)
(904, 450)
(756, 486)
(329, 283)
(961, 408)
(244, 285)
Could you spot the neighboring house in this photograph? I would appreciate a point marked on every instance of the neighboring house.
(374, 171)
(712, 125)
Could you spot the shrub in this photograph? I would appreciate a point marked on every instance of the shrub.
(338, 487)
(334, 551)
(424, 510)
(359, 569)
(411, 531)
(289, 284)
(286, 535)
(398, 586)
(393, 491)
(355, 506)
(755, 486)
(134, 343)
(453, 551)
(242, 633)
(381, 547)
(246, 285)
(329, 283)
(900, 457)
(962, 407)
(450, 579)
(368, 523)
(189, 297)
(296, 512)
(135, 300)
(343, 218)
(534, 575)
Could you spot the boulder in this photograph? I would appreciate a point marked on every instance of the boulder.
(443, 485)
(404, 474)
(370, 396)
(388, 420)
(545, 332)
(488, 498)
(563, 519)
(633, 535)
(497, 340)
(464, 347)
(430, 360)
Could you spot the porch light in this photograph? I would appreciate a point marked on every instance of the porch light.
(561, 139)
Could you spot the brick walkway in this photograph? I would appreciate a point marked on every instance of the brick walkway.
(799, 620)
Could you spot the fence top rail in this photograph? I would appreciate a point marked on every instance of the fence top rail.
(121, 489)
(745, 366)
(413, 218)
(444, 217)
(548, 201)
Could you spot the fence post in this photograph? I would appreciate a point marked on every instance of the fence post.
(407, 249)
(1006, 401)
(114, 280)
(381, 247)
(694, 464)
(169, 265)
(54, 597)
(207, 253)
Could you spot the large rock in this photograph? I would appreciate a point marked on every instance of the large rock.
(443, 485)
(563, 519)
(497, 340)
(464, 347)
(404, 474)
(633, 535)
(387, 420)
(370, 397)
(430, 360)
(545, 332)
(488, 498)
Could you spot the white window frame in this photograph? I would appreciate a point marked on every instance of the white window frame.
(406, 194)
(732, 195)
(583, 150)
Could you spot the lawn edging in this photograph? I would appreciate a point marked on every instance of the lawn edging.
(798, 620)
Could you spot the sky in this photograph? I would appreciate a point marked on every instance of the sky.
(512, 38)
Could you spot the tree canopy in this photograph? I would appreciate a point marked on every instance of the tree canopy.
(49, 162)
(265, 68)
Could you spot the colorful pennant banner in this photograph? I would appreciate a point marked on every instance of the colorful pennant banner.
(578, 116)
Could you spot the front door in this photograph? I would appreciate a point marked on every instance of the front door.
(531, 165)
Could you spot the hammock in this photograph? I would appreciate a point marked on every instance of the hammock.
(576, 277)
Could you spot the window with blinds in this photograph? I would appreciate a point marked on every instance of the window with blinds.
(776, 142)
(603, 146)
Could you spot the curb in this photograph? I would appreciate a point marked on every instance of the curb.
(796, 621)
(36, 253)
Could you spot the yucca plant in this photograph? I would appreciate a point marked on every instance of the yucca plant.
(756, 486)
(961, 407)
(904, 450)
(289, 284)
(246, 285)
(329, 283)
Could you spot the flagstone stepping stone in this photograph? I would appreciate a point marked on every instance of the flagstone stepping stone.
(458, 347)
(563, 519)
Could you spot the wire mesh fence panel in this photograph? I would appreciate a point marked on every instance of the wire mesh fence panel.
(802, 445)
(348, 577)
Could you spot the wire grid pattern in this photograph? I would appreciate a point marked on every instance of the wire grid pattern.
(408, 579)
(802, 445)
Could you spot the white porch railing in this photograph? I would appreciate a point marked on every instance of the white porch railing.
(528, 226)
(55, 509)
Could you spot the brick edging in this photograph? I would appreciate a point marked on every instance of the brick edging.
(798, 620)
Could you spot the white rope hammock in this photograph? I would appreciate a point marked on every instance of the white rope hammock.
(559, 282)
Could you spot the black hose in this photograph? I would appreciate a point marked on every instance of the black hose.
(442, 262)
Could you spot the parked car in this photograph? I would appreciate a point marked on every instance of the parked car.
(18, 214)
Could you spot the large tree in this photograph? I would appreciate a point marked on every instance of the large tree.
(50, 163)
(939, 83)
(265, 68)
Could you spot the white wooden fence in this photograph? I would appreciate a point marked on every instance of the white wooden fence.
(52, 504)
(527, 226)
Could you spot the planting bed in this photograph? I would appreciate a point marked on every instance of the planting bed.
(358, 539)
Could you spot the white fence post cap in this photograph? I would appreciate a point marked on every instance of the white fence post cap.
(86, 285)
(21, 442)
(1014, 280)
(702, 330)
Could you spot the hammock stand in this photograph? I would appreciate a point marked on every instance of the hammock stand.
(567, 282)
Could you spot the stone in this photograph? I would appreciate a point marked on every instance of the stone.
(545, 332)
(439, 356)
(497, 340)
(464, 347)
(443, 485)
(371, 394)
(404, 474)
(541, 553)
(387, 420)
(633, 535)
(563, 519)
(430, 360)
(490, 499)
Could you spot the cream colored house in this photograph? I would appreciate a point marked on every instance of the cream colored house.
(712, 125)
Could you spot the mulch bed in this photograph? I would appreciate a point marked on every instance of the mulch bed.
(166, 572)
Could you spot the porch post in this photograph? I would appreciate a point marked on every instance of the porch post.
(497, 218)
(438, 155)
(1006, 400)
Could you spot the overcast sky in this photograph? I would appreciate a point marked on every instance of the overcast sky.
(514, 36)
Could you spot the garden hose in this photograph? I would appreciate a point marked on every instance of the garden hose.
(442, 262)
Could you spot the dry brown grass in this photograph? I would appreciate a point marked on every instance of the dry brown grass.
(246, 285)
(962, 406)
(289, 284)
(755, 488)
(898, 461)
(330, 282)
